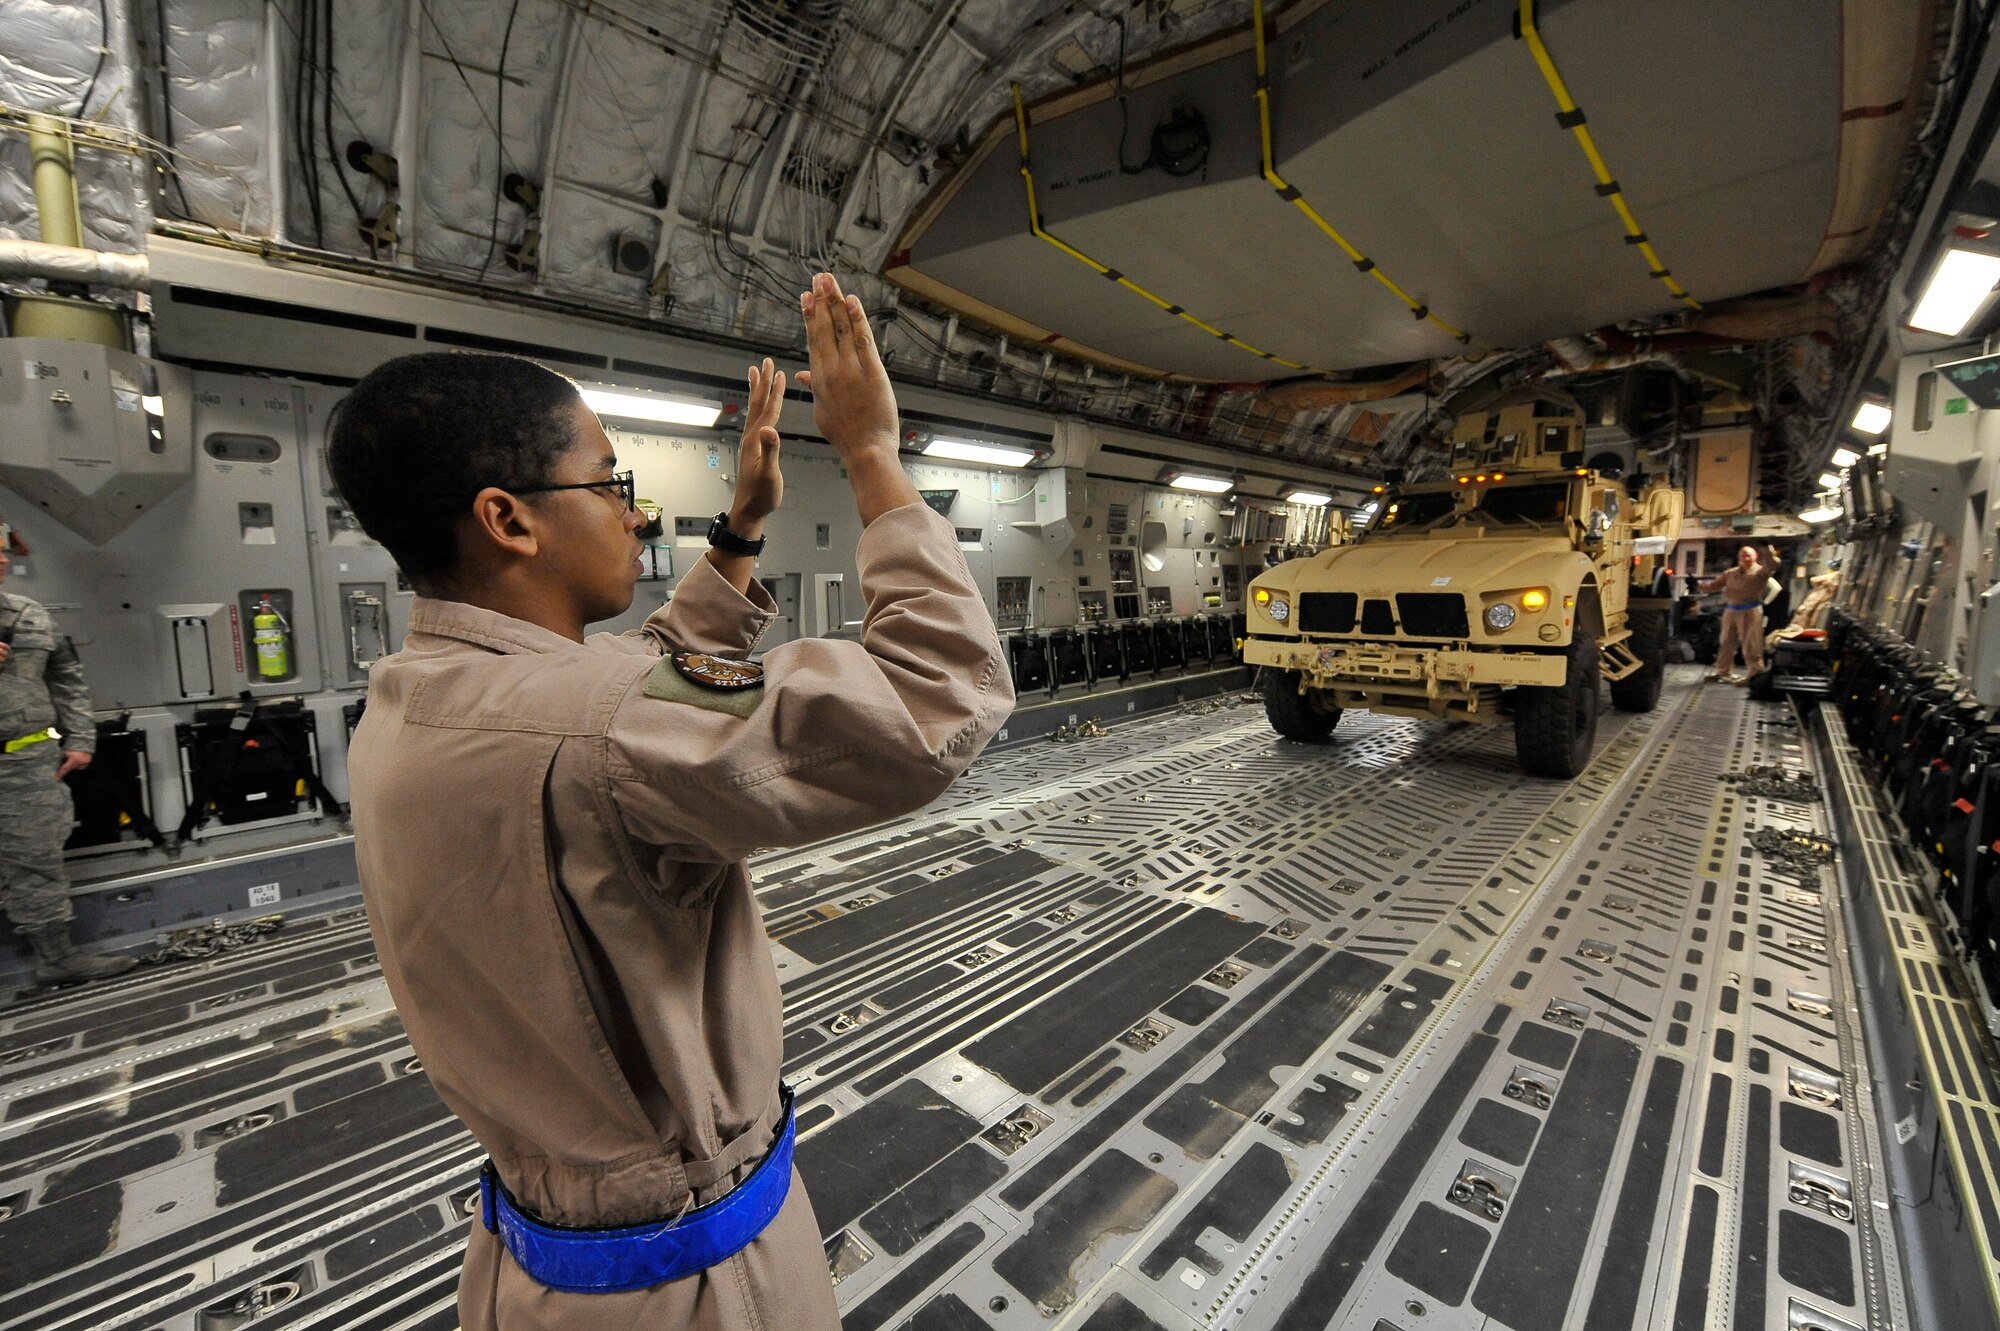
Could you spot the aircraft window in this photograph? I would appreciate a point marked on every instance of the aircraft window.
(1408, 512)
(1531, 503)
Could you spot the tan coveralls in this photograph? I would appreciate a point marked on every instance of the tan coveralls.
(552, 858)
(1742, 627)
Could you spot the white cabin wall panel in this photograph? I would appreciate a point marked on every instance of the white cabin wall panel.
(1943, 462)
(236, 527)
(368, 39)
(464, 159)
(627, 107)
(219, 107)
(698, 297)
(576, 255)
(48, 53)
(1965, 620)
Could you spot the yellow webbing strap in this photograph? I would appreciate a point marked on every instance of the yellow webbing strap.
(1292, 196)
(1104, 270)
(1570, 116)
(26, 741)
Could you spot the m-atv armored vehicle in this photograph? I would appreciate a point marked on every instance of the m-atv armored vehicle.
(1516, 583)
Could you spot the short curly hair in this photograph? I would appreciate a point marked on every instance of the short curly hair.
(420, 435)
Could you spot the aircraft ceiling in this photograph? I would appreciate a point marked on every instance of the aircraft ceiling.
(690, 163)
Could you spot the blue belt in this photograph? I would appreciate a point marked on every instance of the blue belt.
(1754, 605)
(610, 1261)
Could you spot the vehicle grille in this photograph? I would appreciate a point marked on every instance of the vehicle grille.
(1326, 612)
(1376, 619)
(1432, 615)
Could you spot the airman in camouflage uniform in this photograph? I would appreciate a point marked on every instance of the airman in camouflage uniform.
(46, 732)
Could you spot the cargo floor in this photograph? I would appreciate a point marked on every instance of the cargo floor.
(1182, 1027)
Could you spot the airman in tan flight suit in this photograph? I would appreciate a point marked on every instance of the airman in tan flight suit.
(551, 828)
(1742, 587)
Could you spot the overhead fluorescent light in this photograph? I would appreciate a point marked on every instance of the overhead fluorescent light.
(1828, 481)
(1818, 515)
(1844, 458)
(1208, 485)
(154, 404)
(650, 407)
(1312, 497)
(965, 450)
(1872, 418)
(1957, 291)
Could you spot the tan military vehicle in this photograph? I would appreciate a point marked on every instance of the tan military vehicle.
(1518, 582)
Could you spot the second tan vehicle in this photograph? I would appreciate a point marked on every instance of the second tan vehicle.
(1519, 582)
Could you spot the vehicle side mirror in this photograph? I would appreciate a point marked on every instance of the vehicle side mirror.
(1600, 523)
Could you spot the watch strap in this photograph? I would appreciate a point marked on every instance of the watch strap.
(722, 538)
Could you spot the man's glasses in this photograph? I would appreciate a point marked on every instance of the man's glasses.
(627, 487)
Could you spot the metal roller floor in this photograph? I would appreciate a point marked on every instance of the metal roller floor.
(1187, 1026)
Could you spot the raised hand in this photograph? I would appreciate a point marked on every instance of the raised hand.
(853, 404)
(760, 485)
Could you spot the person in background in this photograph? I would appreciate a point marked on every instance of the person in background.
(1742, 589)
(551, 828)
(46, 732)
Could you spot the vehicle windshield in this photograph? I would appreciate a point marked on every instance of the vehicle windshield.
(1408, 512)
(1525, 505)
(1529, 503)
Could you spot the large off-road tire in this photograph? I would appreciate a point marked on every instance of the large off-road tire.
(1554, 728)
(1640, 691)
(1294, 715)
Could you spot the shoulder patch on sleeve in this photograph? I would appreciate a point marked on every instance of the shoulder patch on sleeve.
(711, 683)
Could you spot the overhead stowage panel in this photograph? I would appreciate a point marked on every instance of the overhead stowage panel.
(92, 435)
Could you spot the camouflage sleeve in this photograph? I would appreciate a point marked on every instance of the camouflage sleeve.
(64, 676)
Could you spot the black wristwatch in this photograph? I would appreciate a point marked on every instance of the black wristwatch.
(722, 538)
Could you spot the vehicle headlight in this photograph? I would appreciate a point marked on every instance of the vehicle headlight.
(1500, 616)
(1279, 609)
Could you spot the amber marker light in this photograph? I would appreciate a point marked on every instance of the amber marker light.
(1261, 596)
(1499, 475)
(1465, 480)
(1535, 600)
